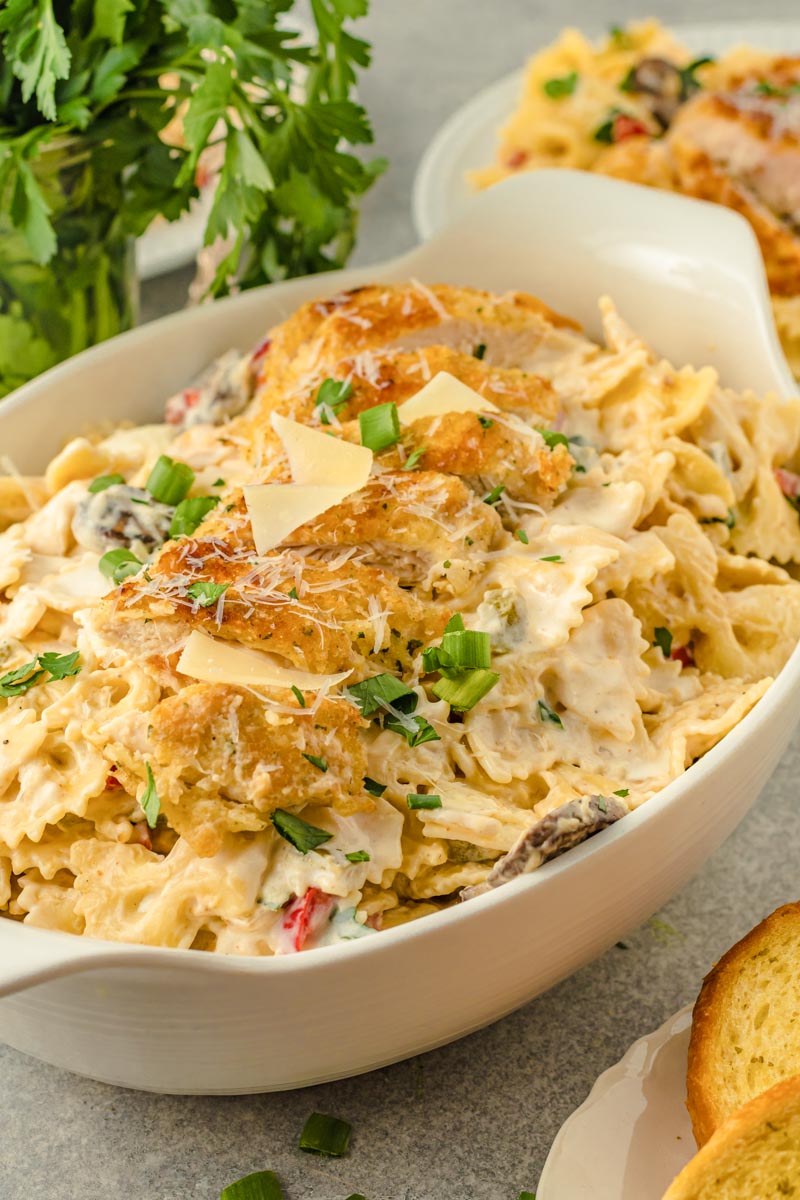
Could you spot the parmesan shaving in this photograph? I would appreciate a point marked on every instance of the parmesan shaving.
(213, 661)
(317, 459)
(444, 394)
(277, 509)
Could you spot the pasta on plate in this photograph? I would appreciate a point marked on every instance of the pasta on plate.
(638, 106)
(420, 592)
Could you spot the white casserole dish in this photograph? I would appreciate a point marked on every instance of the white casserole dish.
(689, 277)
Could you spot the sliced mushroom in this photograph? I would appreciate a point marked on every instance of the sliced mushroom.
(663, 86)
(121, 516)
(560, 830)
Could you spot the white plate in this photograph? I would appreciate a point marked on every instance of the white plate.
(468, 139)
(632, 1135)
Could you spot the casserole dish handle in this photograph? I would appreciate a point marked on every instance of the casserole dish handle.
(31, 960)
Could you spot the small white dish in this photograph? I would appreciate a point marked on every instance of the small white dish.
(468, 139)
(632, 1134)
(690, 277)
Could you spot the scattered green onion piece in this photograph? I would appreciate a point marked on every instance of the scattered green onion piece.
(629, 82)
(551, 558)
(119, 564)
(189, 514)
(319, 763)
(553, 438)
(105, 481)
(218, 482)
(422, 732)
(325, 1135)
(357, 856)
(151, 805)
(293, 593)
(413, 458)
(433, 659)
(561, 86)
(663, 639)
(463, 689)
(374, 789)
(261, 1185)
(480, 350)
(380, 426)
(494, 495)
(60, 666)
(169, 481)
(413, 800)
(372, 695)
(468, 648)
(456, 622)
(622, 792)
(299, 697)
(486, 422)
(206, 593)
(546, 713)
(297, 832)
(521, 536)
(332, 395)
(18, 681)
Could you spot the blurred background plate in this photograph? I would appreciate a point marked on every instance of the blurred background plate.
(468, 139)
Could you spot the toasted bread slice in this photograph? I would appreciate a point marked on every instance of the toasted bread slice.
(746, 1023)
(754, 1155)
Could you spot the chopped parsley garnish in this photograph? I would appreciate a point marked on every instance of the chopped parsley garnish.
(480, 350)
(261, 1185)
(357, 856)
(561, 85)
(605, 132)
(551, 558)
(105, 481)
(521, 536)
(319, 763)
(494, 495)
(422, 731)
(332, 396)
(463, 689)
(293, 593)
(380, 427)
(297, 832)
(486, 422)
(629, 82)
(689, 81)
(601, 804)
(413, 458)
(374, 694)
(413, 800)
(546, 713)
(663, 639)
(18, 681)
(218, 483)
(325, 1135)
(206, 593)
(374, 788)
(151, 805)
(622, 792)
(552, 437)
(169, 481)
(60, 666)
(620, 37)
(298, 695)
(729, 520)
(119, 564)
(190, 513)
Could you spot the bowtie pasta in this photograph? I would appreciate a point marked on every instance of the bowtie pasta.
(421, 590)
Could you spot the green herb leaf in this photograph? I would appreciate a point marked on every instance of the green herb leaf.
(463, 689)
(261, 1185)
(325, 1135)
(105, 481)
(413, 458)
(374, 789)
(35, 47)
(417, 732)
(298, 695)
(560, 86)
(689, 81)
(480, 350)
(380, 427)
(299, 833)
(414, 801)
(18, 681)
(374, 694)
(485, 422)
(494, 495)
(553, 438)
(293, 593)
(190, 513)
(622, 792)
(556, 558)
(620, 37)
(455, 623)
(151, 805)
(663, 639)
(546, 713)
(206, 593)
(218, 482)
(332, 396)
(119, 564)
(521, 536)
(605, 132)
(319, 763)
(60, 666)
(357, 856)
(169, 481)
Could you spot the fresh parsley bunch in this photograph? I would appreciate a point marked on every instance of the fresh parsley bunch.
(88, 87)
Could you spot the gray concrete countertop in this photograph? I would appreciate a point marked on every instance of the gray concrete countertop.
(472, 1121)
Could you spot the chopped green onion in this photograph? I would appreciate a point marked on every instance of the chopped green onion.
(319, 763)
(261, 1185)
(190, 513)
(332, 395)
(293, 593)
(325, 1135)
(560, 86)
(374, 694)
(218, 482)
(413, 458)
(60, 666)
(105, 481)
(553, 438)
(551, 558)
(456, 622)
(463, 689)
(119, 564)
(380, 426)
(546, 713)
(297, 832)
(486, 422)
(521, 536)
(416, 801)
(468, 648)
(622, 792)
(18, 681)
(169, 481)
(151, 805)
(357, 856)
(663, 639)
(374, 789)
(300, 698)
(422, 732)
(206, 593)
(494, 495)
(480, 350)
